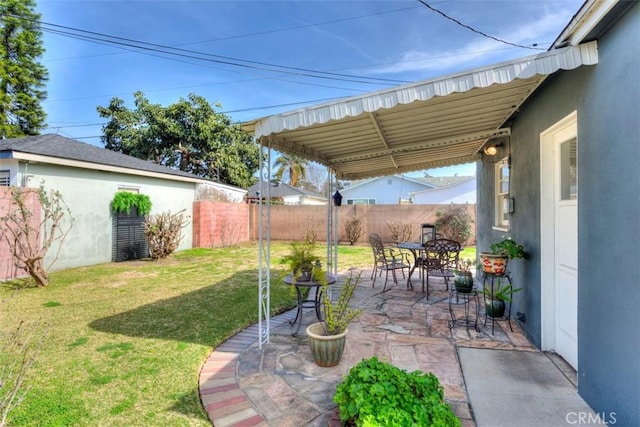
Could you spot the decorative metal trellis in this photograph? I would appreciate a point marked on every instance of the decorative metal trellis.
(264, 244)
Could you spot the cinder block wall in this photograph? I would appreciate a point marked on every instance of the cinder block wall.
(217, 224)
(8, 267)
(291, 222)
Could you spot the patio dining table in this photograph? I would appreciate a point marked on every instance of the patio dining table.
(416, 249)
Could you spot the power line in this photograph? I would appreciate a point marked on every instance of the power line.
(102, 38)
(260, 33)
(428, 6)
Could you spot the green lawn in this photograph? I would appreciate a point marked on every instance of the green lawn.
(126, 340)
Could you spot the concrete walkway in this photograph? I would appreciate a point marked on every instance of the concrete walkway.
(527, 386)
(280, 385)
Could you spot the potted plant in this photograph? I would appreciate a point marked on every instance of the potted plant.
(124, 202)
(495, 262)
(463, 279)
(301, 260)
(496, 298)
(327, 338)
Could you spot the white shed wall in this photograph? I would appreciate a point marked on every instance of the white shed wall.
(88, 193)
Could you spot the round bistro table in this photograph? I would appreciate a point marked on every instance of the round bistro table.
(311, 285)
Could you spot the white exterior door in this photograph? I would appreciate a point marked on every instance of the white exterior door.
(560, 240)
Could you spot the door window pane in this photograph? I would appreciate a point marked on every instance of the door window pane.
(569, 170)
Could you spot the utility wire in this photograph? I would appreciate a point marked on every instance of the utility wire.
(260, 33)
(428, 6)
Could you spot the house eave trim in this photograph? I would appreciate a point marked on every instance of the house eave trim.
(28, 157)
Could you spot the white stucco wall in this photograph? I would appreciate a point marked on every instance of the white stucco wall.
(88, 193)
(231, 194)
(387, 190)
(457, 194)
(303, 200)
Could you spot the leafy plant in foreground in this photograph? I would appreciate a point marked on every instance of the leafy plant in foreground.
(376, 393)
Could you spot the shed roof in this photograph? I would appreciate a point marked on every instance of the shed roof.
(56, 149)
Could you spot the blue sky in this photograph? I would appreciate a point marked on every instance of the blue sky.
(373, 45)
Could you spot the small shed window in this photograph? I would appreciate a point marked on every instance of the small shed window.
(5, 178)
(134, 190)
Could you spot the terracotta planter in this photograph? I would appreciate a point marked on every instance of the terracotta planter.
(495, 264)
(326, 349)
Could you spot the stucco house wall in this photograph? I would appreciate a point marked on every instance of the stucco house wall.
(605, 97)
(386, 190)
(303, 200)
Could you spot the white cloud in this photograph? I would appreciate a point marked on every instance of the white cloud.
(481, 51)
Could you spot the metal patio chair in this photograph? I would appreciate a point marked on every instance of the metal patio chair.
(440, 260)
(387, 260)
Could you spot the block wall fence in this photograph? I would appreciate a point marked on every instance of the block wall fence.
(217, 224)
(291, 222)
(8, 268)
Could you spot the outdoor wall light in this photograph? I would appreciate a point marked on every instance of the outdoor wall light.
(491, 150)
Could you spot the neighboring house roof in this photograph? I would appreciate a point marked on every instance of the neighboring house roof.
(358, 183)
(283, 190)
(56, 149)
(445, 181)
(430, 182)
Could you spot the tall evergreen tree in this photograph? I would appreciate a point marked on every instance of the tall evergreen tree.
(22, 77)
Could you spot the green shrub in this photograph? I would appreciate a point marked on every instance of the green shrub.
(455, 224)
(376, 393)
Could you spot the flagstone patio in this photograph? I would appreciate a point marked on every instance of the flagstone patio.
(280, 385)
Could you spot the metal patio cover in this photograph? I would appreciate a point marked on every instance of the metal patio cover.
(423, 125)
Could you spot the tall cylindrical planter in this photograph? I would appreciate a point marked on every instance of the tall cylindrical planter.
(326, 349)
(495, 308)
(463, 282)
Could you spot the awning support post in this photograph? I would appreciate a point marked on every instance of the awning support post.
(264, 247)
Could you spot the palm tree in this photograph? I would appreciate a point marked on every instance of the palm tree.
(294, 166)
